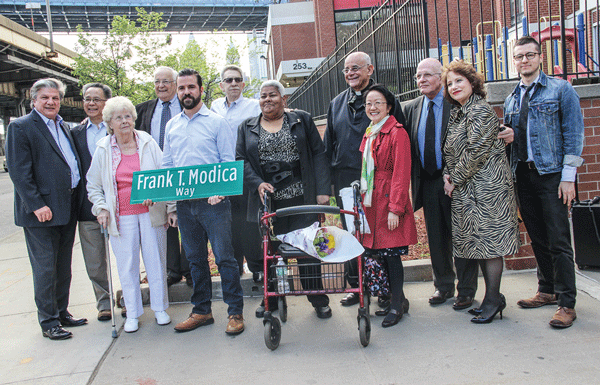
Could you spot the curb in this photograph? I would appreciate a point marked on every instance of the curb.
(414, 271)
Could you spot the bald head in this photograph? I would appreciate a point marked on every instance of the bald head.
(429, 77)
(358, 70)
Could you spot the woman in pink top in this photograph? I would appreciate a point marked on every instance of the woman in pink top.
(110, 176)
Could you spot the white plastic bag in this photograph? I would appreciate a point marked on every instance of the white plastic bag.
(346, 246)
(347, 194)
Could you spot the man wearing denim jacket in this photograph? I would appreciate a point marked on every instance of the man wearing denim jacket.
(544, 158)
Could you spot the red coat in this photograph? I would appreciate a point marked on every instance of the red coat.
(391, 184)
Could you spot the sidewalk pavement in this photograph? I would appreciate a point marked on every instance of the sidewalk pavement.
(430, 345)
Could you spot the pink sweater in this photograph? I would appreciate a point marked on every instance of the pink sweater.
(124, 177)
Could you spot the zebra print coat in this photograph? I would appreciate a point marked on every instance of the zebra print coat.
(484, 210)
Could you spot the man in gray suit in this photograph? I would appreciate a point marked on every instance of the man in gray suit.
(426, 123)
(45, 171)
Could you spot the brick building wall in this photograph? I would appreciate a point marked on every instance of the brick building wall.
(324, 27)
(293, 41)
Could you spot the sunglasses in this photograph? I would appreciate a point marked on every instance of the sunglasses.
(231, 80)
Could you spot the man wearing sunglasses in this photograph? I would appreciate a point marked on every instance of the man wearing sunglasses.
(236, 108)
(153, 116)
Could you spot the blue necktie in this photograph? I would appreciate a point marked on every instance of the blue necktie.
(164, 118)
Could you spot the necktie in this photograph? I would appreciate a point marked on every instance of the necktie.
(522, 131)
(429, 159)
(164, 118)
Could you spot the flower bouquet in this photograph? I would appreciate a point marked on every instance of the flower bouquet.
(324, 242)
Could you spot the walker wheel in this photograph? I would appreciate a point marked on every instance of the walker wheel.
(282, 304)
(272, 333)
(364, 328)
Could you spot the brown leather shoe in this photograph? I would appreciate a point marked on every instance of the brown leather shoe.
(235, 324)
(538, 300)
(563, 318)
(462, 302)
(440, 296)
(104, 315)
(194, 321)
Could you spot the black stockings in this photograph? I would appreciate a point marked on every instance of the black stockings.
(393, 258)
(492, 275)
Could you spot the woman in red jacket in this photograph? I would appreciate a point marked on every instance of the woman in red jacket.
(384, 183)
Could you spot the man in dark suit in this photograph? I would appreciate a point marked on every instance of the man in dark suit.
(45, 171)
(427, 122)
(153, 116)
(85, 137)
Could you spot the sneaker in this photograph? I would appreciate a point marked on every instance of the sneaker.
(162, 318)
(131, 325)
(235, 324)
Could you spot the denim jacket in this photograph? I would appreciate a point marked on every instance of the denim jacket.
(555, 124)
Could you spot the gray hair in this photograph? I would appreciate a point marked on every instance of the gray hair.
(47, 83)
(105, 89)
(273, 83)
(171, 70)
(231, 67)
(116, 104)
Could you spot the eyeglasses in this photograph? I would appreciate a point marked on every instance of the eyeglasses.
(231, 80)
(528, 55)
(425, 76)
(353, 69)
(376, 104)
(165, 82)
(95, 100)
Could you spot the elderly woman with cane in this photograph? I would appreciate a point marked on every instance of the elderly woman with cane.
(118, 155)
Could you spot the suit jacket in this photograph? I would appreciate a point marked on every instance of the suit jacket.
(412, 113)
(144, 115)
(40, 173)
(79, 134)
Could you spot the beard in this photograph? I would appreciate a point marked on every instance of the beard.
(189, 102)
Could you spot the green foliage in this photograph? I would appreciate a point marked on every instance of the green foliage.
(195, 56)
(233, 54)
(125, 58)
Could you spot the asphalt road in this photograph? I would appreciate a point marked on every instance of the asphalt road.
(7, 223)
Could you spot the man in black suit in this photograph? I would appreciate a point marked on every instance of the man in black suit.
(153, 116)
(85, 137)
(45, 171)
(426, 123)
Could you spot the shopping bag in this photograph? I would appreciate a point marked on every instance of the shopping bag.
(347, 195)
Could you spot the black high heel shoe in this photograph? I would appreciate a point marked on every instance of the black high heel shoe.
(384, 312)
(475, 311)
(481, 320)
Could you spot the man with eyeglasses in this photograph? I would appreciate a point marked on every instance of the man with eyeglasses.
(153, 116)
(546, 115)
(85, 137)
(427, 122)
(346, 125)
(236, 108)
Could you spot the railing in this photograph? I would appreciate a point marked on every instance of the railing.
(394, 57)
(483, 32)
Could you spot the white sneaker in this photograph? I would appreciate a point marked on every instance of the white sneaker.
(131, 325)
(162, 318)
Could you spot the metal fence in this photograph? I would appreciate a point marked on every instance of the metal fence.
(395, 37)
(400, 33)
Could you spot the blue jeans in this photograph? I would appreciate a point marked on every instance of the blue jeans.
(197, 220)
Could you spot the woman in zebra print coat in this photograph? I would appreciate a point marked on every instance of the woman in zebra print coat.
(479, 181)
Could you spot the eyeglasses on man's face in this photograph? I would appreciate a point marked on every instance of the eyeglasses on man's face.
(165, 82)
(425, 76)
(528, 55)
(95, 100)
(231, 80)
(347, 70)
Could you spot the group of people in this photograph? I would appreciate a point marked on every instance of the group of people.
(447, 146)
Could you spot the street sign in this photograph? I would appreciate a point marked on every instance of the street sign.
(190, 182)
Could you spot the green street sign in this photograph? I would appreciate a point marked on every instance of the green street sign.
(190, 182)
